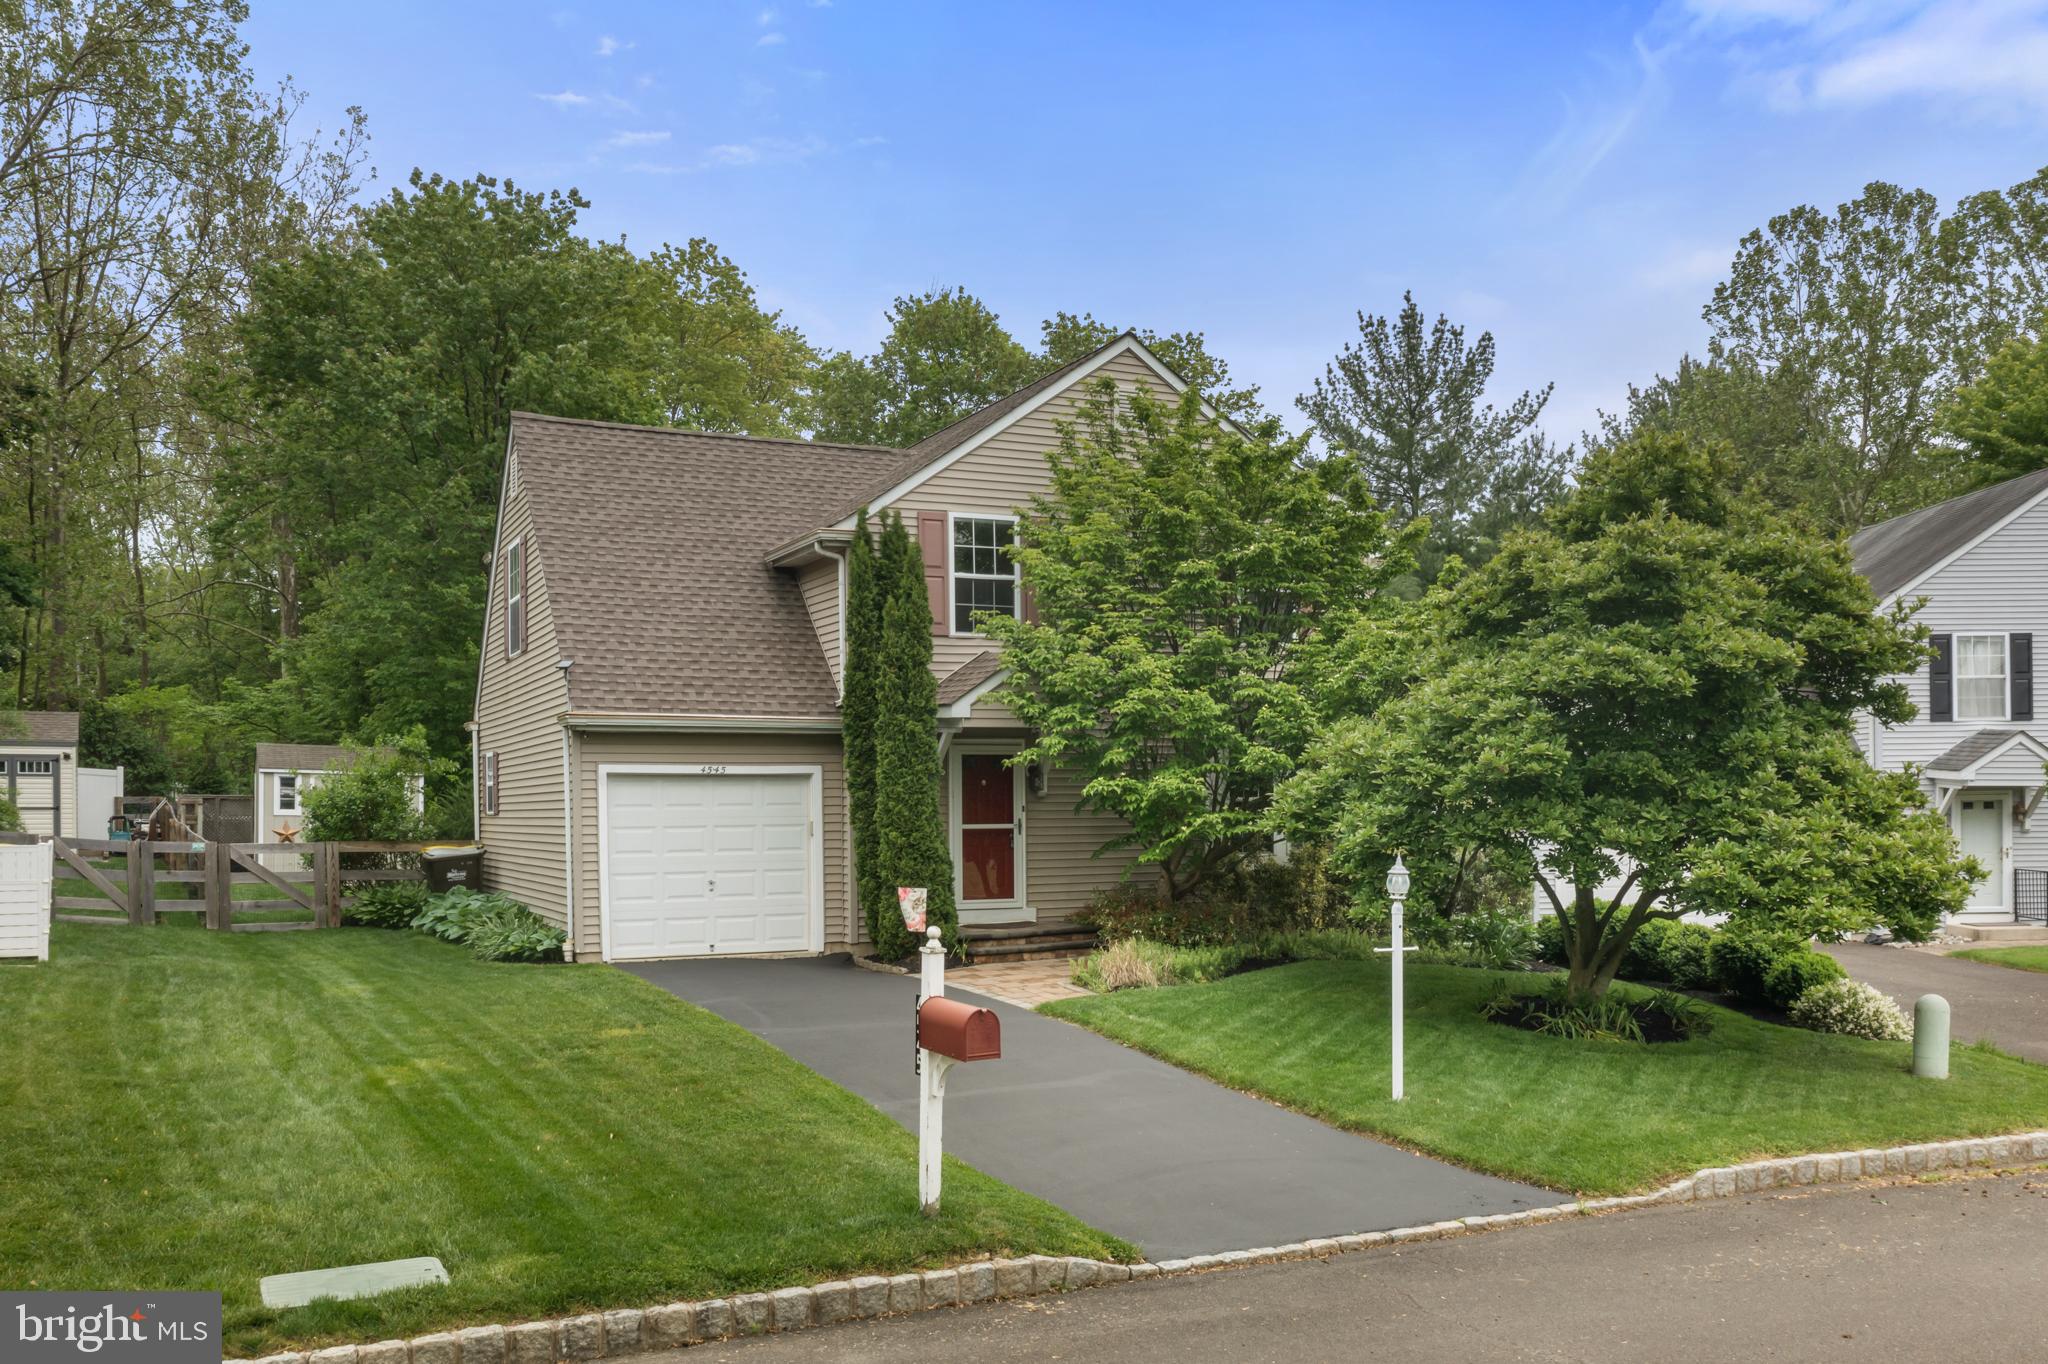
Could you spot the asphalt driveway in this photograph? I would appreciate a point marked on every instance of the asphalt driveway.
(2008, 1007)
(1152, 1153)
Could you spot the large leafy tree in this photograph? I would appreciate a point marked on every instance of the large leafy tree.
(1657, 688)
(2000, 422)
(1067, 337)
(1406, 401)
(1190, 583)
(384, 375)
(910, 832)
(726, 363)
(1867, 319)
(946, 355)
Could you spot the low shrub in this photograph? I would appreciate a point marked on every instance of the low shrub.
(1499, 939)
(1798, 971)
(1548, 941)
(1138, 912)
(1141, 964)
(509, 931)
(1302, 893)
(1739, 962)
(1853, 1009)
(387, 904)
(449, 916)
(1551, 1009)
(10, 817)
(1671, 951)
(1127, 964)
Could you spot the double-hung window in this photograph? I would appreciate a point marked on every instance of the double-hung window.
(515, 598)
(287, 793)
(1981, 686)
(984, 575)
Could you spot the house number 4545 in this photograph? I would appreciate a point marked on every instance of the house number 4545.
(713, 769)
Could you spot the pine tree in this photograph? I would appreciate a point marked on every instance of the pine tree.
(866, 585)
(911, 832)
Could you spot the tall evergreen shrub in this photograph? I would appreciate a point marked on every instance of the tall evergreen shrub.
(865, 589)
(911, 831)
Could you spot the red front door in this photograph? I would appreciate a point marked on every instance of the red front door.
(988, 828)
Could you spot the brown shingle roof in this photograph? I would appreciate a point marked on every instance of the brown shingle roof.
(39, 726)
(302, 757)
(652, 541)
(969, 675)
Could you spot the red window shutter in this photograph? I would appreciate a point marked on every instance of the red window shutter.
(931, 543)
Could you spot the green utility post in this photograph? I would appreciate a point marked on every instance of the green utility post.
(1930, 1037)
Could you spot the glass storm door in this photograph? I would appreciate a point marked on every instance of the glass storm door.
(988, 831)
(1981, 826)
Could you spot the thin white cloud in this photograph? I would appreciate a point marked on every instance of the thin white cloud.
(767, 16)
(638, 139)
(771, 40)
(1591, 131)
(759, 151)
(564, 99)
(608, 46)
(869, 141)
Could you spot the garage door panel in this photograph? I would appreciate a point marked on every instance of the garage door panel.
(713, 865)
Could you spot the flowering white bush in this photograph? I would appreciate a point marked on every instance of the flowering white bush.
(1852, 1008)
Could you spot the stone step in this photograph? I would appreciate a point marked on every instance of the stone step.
(1011, 932)
(2009, 934)
(1030, 949)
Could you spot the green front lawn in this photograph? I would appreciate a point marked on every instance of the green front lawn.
(2021, 958)
(184, 1109)
(1592, 1117)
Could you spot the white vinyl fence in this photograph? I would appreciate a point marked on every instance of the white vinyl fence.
(25, 900)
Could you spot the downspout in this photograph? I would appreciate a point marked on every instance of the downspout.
(568, 825)
(568, 847)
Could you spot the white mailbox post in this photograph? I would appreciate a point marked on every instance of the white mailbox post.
(1397, 891)
(948, 1032)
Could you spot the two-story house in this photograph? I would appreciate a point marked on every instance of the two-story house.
(1980, 562)
(656, 734)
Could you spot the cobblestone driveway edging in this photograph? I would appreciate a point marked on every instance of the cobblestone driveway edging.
(633, 1331)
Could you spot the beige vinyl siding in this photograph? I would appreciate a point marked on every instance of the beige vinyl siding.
(819, 584)
(1003, 474)
(819, 750)
(519, 702)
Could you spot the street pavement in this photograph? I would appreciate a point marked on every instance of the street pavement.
(1905, 1274)
(2006, 1006)
(1153, 1153)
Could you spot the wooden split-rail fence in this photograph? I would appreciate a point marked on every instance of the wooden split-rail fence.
(321, 880)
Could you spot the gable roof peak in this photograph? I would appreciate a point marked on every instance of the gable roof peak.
(1896, 555)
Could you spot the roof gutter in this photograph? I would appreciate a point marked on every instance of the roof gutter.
(594, 722)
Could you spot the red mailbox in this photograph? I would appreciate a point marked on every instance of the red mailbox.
(958, 1030)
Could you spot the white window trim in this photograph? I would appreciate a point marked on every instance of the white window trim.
(1016, 573)
(277, 805)
(606, 771)
(1955, 677)
(1017, 908)
(490, 781)
(515, 594)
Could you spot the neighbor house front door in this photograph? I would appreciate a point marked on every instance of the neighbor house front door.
(988, 837)
(1982, 826)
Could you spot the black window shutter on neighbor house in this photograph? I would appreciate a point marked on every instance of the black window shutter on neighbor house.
(1941, 680)
(2022, 651)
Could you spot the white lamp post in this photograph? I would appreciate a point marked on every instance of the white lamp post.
(1397, 891)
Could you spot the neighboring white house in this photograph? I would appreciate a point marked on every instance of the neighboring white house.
(1980, 563)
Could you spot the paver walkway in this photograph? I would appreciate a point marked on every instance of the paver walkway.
(2008, 1007)
(1152, 1153)
(1027, 984)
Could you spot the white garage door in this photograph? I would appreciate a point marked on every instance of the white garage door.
(708, 865)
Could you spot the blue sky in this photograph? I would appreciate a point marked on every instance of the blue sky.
(1573, 178)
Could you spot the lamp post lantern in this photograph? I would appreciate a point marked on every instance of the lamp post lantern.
(1397, 892)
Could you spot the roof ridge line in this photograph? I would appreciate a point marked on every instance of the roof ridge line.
(709, 435)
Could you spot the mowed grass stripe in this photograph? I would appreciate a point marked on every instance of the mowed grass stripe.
(185, 1109)
(1590, 1117)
